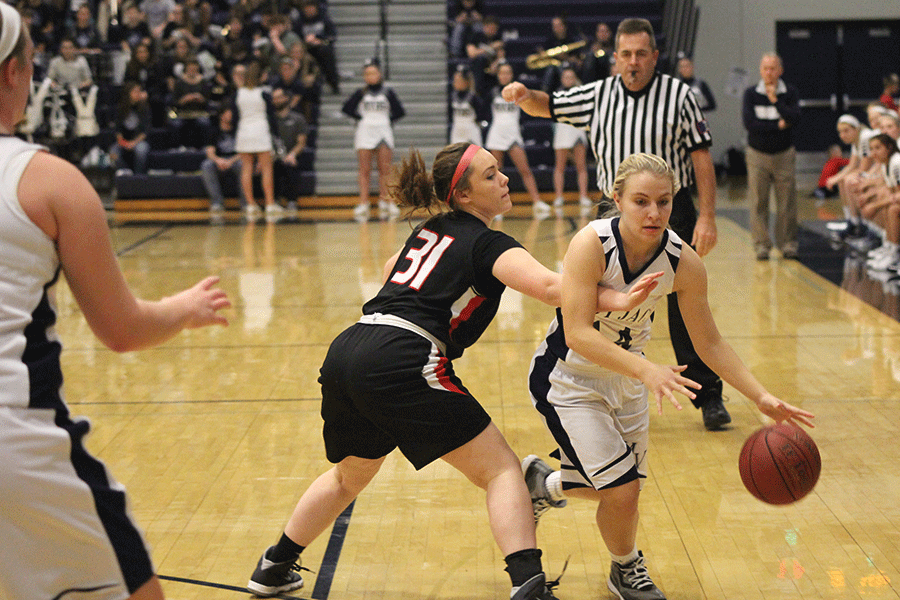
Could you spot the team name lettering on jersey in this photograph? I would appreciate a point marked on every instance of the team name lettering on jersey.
(636, 316)
(377, 105)
(502, 106)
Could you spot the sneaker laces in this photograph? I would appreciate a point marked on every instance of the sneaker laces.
(298, 567)
(294, 566)
(540, 506)
(549, 586)
(636, 576)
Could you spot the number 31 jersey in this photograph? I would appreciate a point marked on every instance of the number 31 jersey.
(443, 280)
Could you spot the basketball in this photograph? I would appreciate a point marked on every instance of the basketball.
(779, 464)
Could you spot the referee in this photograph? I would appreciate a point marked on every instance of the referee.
(641, 110)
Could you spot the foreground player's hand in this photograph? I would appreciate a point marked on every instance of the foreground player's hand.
(663, 382)
(780, 411)
(203, 303)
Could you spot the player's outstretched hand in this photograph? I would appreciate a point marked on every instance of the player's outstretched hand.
(610, 300)
(664, 381)
(641, 290)
(782, 411)
(203, 302)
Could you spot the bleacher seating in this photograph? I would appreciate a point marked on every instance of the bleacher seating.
(531, 19)
(174, 172)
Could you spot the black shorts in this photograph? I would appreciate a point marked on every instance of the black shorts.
(384, 387)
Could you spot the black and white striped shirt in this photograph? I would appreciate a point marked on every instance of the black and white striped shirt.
(663, 119)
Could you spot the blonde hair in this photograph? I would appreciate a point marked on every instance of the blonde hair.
(642, 163)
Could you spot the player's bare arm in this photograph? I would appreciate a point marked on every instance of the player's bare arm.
(64, 205)
(583, 268)
(691, 286)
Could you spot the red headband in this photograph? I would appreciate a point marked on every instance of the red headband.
(464, 163)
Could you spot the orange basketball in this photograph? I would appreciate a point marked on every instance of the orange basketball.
(779, 464)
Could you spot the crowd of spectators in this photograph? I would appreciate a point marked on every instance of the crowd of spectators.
(478, 41)
(163, 70)
(868, 183)
(482, 52)
(869, 186)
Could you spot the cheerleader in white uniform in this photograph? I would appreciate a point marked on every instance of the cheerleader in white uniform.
(505, 135)
(253, 137)
(375, 107)
(466, 107)
(569, 140)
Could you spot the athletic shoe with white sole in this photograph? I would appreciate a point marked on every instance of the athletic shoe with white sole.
(271, 578)
(632, 582)
(536, 471)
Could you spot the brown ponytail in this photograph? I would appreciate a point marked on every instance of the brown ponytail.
(417, 188)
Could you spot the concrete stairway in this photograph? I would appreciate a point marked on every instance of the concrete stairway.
(414, 58)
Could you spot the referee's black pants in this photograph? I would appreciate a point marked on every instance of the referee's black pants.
(682, 222)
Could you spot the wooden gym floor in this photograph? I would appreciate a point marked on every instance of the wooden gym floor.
(216, 433)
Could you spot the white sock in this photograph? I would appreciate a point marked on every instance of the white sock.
(624, 560)
(554, 486)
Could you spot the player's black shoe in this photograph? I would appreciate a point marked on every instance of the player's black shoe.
(271, 578)
(536, 588)
(715, 417)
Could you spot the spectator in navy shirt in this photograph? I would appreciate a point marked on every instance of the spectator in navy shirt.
(771, 110)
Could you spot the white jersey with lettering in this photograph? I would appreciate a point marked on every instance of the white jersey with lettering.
(374, 127)
(628, 329)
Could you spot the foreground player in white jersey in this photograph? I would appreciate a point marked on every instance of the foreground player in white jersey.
(590, 380)
(65, 526)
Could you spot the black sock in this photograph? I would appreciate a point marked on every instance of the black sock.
(285, 550)
(523, 565)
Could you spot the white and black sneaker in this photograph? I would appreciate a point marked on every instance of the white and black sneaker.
(536, 588)
(536, 471)
(271, 578)
(632, 582)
